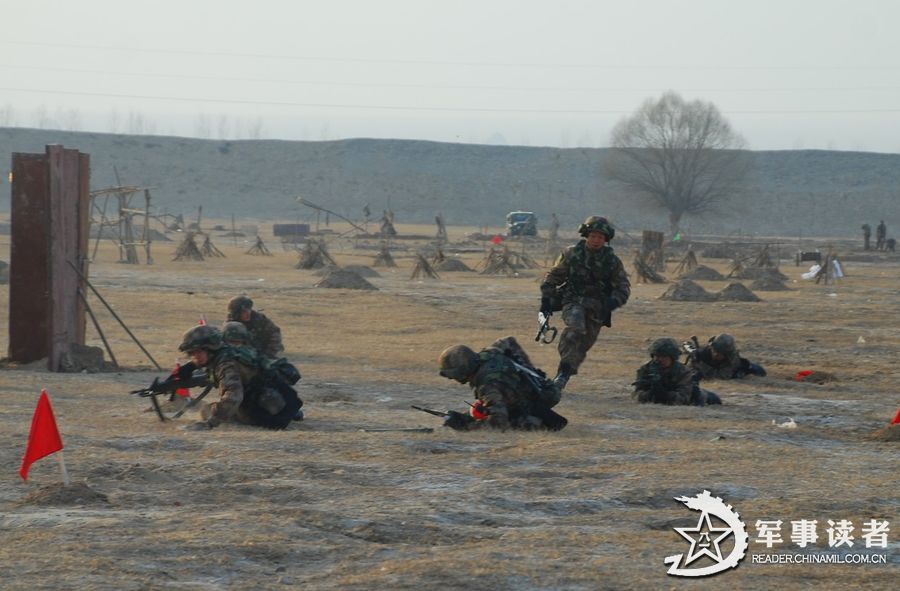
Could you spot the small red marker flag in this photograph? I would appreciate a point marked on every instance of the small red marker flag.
(896, 420)
(43, 439)
(496, 239)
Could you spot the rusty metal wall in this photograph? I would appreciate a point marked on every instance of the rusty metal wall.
(50, 223)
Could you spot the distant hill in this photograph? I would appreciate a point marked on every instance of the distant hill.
(787, 193)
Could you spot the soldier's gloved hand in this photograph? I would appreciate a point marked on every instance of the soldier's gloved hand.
(458, 421)
(546, 307)
(199, 426)
(611, 303)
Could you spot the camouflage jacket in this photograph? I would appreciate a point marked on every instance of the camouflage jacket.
(265, 336)
(232, 370)
(725, 369)
(588, 278)
(672, 386)
(513, 400)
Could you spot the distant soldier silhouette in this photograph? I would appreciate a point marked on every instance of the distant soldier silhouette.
(867, 236)
(880, 235)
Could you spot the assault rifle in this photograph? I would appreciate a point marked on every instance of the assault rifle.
(544, 329)
(186, 376)
(453, 419)
(691, 348)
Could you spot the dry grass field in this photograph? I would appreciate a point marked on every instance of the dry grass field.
(324, 505)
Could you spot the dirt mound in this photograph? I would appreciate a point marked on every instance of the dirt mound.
(77, 493)
(736, 292)
(703, 273)
(363, 270)
(343, 279)
(889, 433)
(769, 284)
(687, 291)
(452, 265)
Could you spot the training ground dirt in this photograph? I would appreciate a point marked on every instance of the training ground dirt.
(324, 505)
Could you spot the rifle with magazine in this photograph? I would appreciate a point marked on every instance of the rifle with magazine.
(182, 377)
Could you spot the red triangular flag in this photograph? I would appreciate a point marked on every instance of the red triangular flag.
(496, 240)
(896, 420)
(43, 439)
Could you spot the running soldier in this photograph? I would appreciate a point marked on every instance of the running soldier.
(587, 283)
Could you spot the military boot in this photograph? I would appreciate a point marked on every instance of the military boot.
(562, 375)
(755, 369)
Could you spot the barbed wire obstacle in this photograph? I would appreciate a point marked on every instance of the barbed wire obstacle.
(423, 269)
(644, 269)
(737, 268)
(688, 263)
(209, 249)
(384, 258)
(259, 248)
(315, 256)
(188, 250)
(498, 261)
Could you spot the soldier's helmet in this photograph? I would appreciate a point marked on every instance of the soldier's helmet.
(597, 223)
(238, 303)
(724, 344)
(201, 337)
(458, 363)
(665, 346)
(235, 331)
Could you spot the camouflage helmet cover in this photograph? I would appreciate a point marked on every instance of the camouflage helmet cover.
(238, 303)
(597, 223)
(235, 331)
(665, 346)
(201, 337)
(724, 344)
(457, 362)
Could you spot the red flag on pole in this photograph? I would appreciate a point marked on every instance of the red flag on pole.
(43, 439)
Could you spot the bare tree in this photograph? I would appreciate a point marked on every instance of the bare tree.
(682, 155)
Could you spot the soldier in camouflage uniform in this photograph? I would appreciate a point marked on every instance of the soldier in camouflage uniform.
(265, 336)
(665, 380)
(248, 393)
(509, 392)
(719, 360)
(590, 282)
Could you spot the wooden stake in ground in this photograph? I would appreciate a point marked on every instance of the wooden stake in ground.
(438, 257)
(188, 250)
(688, 263)
(497, 262)
(259, 248)
(644, 271)
(315, 256)
(384, 258)
(423, 269)
(209, 249)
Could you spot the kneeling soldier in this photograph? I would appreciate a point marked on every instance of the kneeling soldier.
(248, 392)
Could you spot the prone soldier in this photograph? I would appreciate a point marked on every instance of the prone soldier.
(665, 380)
(719, 360)
(510, 393)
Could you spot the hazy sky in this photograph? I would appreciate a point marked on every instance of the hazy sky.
(786, 73)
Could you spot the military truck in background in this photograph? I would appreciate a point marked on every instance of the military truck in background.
(521, 223)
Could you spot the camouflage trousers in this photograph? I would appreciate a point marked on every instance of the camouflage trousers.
(579, 335)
